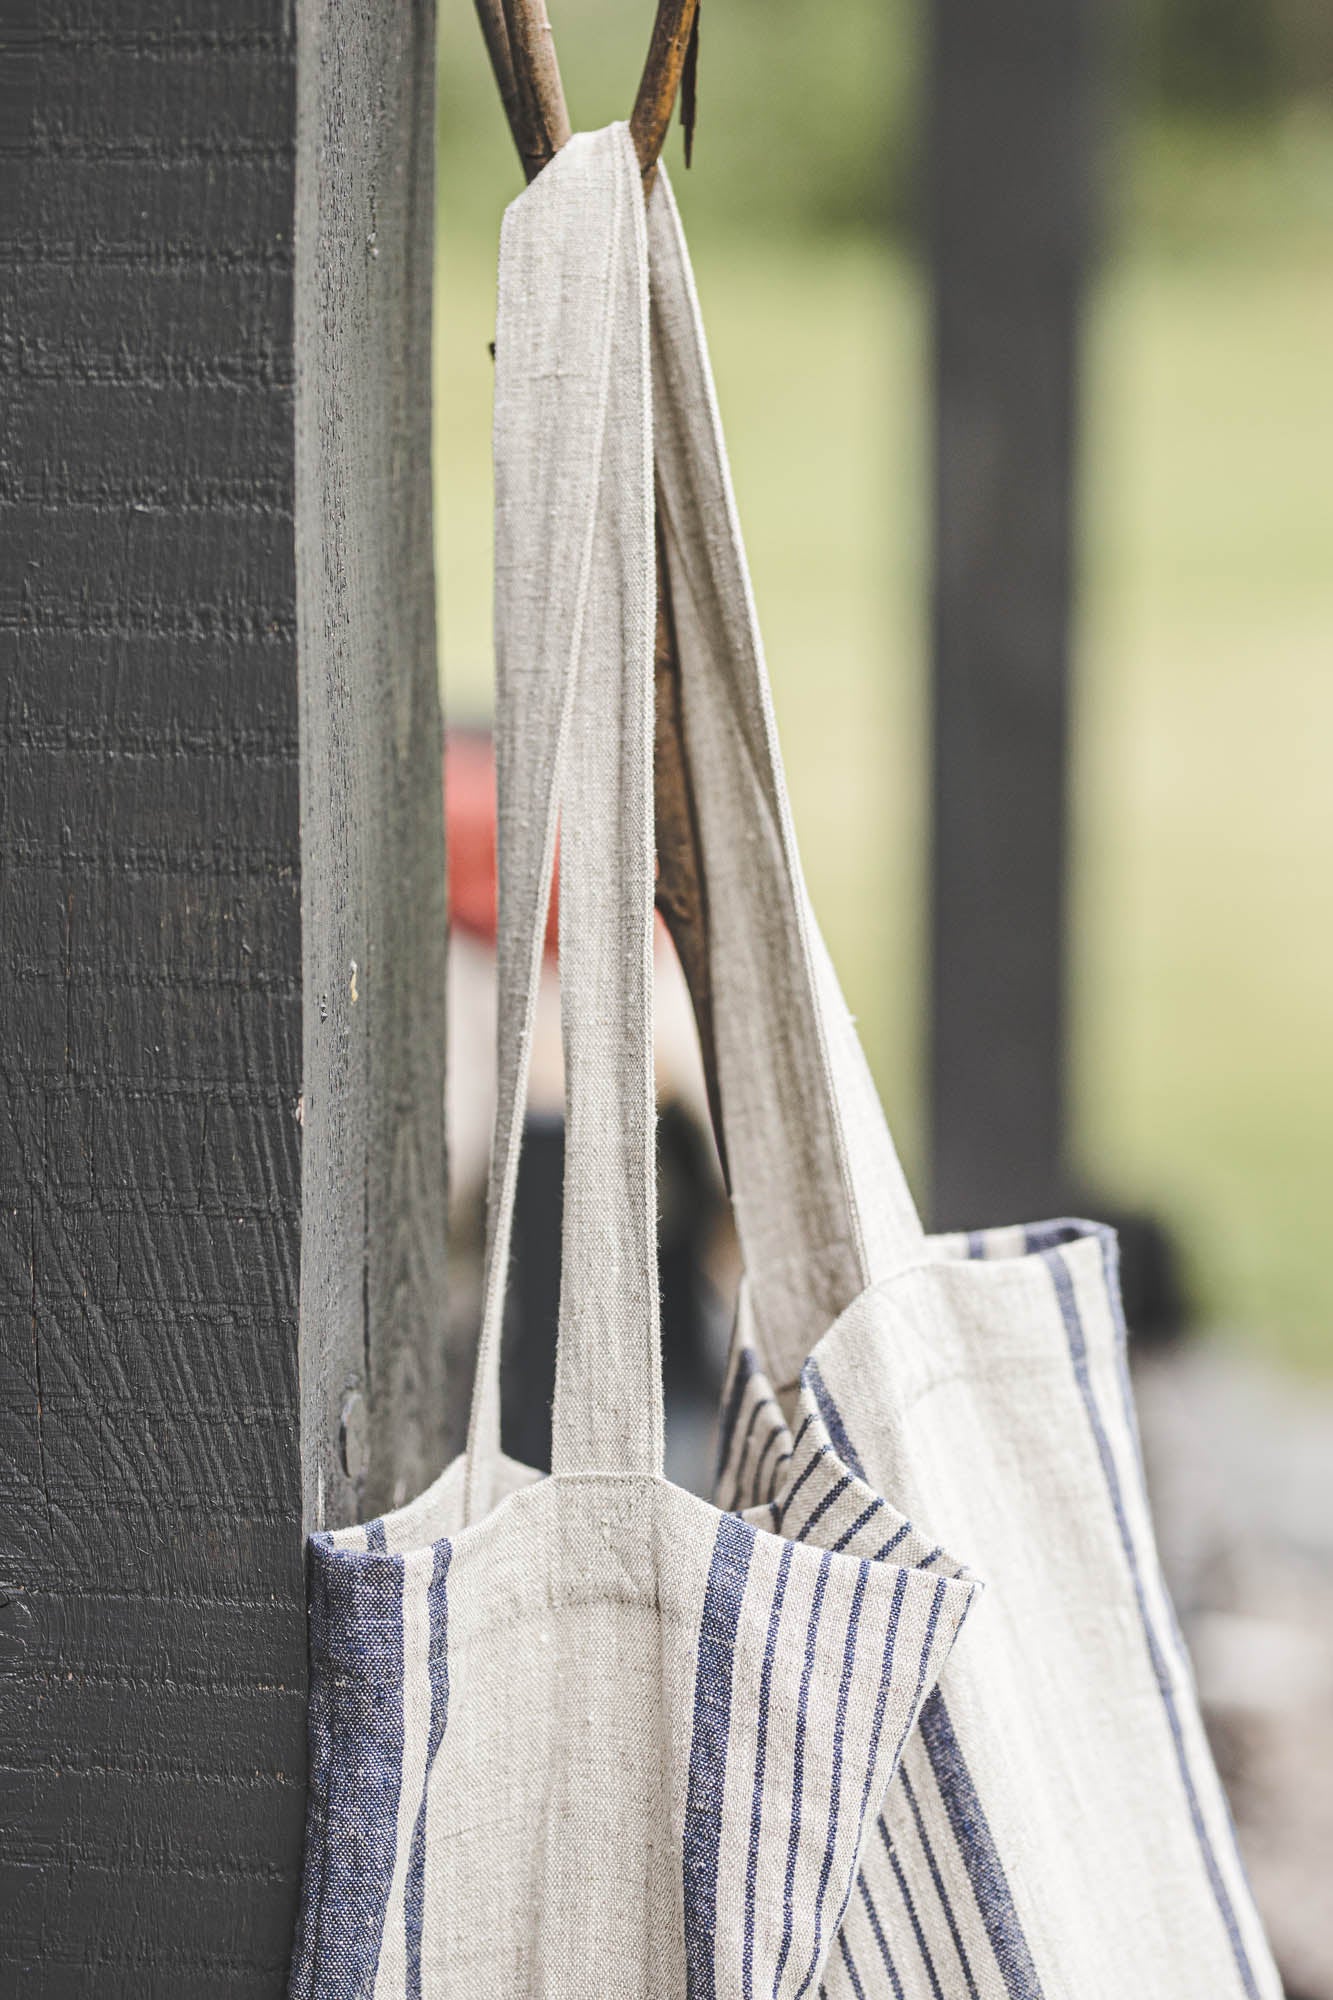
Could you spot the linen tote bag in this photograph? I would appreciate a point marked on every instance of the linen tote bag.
(587, 1735)
(1056, 1827)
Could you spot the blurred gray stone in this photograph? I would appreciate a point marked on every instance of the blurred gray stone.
(1240, 1465)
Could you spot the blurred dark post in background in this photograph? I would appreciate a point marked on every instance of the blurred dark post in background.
(1010, 164)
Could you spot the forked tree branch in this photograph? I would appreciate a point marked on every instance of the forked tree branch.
(521, 48)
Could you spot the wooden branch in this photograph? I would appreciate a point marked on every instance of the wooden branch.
(518, 39)
(651, 116)
(541, 95)
(681, 892)
(521, 48)
(495, 34)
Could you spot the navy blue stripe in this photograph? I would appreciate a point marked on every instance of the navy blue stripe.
(963, 1806)
(971, 1829)
(785, 1459)
(880, 1939)
(702, 1837)
(783, 1507)
(921, 1665)
(832, 1417)
(867, 1515)
(847, 1451)
(744, 1370)
(834, 1494)
(376, 1539)
(366, 1777)
(877, 1727)
(1064, 1291)
(437, 1621)
(938, 1880)
(769, 1443)
(1111, 1275)
(893, 1541)
(798, 1770)
(852, 1973)
(835, 1782)
(976, 1846)
(912, 1917)
(1039, 1237)
(760, 1759)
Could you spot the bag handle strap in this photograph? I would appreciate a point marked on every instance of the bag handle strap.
(822, 1206)
(574, 622)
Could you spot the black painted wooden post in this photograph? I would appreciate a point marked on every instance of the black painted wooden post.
(1010, 171)
(216, 576)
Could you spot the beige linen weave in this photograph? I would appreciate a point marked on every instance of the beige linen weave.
(588, 1736)
(1056, 1830)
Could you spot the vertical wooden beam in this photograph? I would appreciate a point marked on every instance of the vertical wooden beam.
(155, 1371)
(1010, 158)
(372, 1275)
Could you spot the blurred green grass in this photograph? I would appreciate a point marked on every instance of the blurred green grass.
(1203, 890)
(1203, 786)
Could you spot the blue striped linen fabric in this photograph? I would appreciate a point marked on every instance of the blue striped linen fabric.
(692, 1824)
(1056, 1830)
(589, 1736)
(1056, 1825)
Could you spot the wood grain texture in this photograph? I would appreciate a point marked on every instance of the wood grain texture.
(372, 1281)
(152, 1621)
(1011, 152)
(153, 1639)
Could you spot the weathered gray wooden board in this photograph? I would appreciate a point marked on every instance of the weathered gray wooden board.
(162, 1340)
(1010, 163)
(373, 889)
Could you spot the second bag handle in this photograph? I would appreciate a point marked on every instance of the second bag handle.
(822, 1206)
(574, 621)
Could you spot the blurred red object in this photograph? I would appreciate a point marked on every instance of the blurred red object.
(469, 825)
(469, 832)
